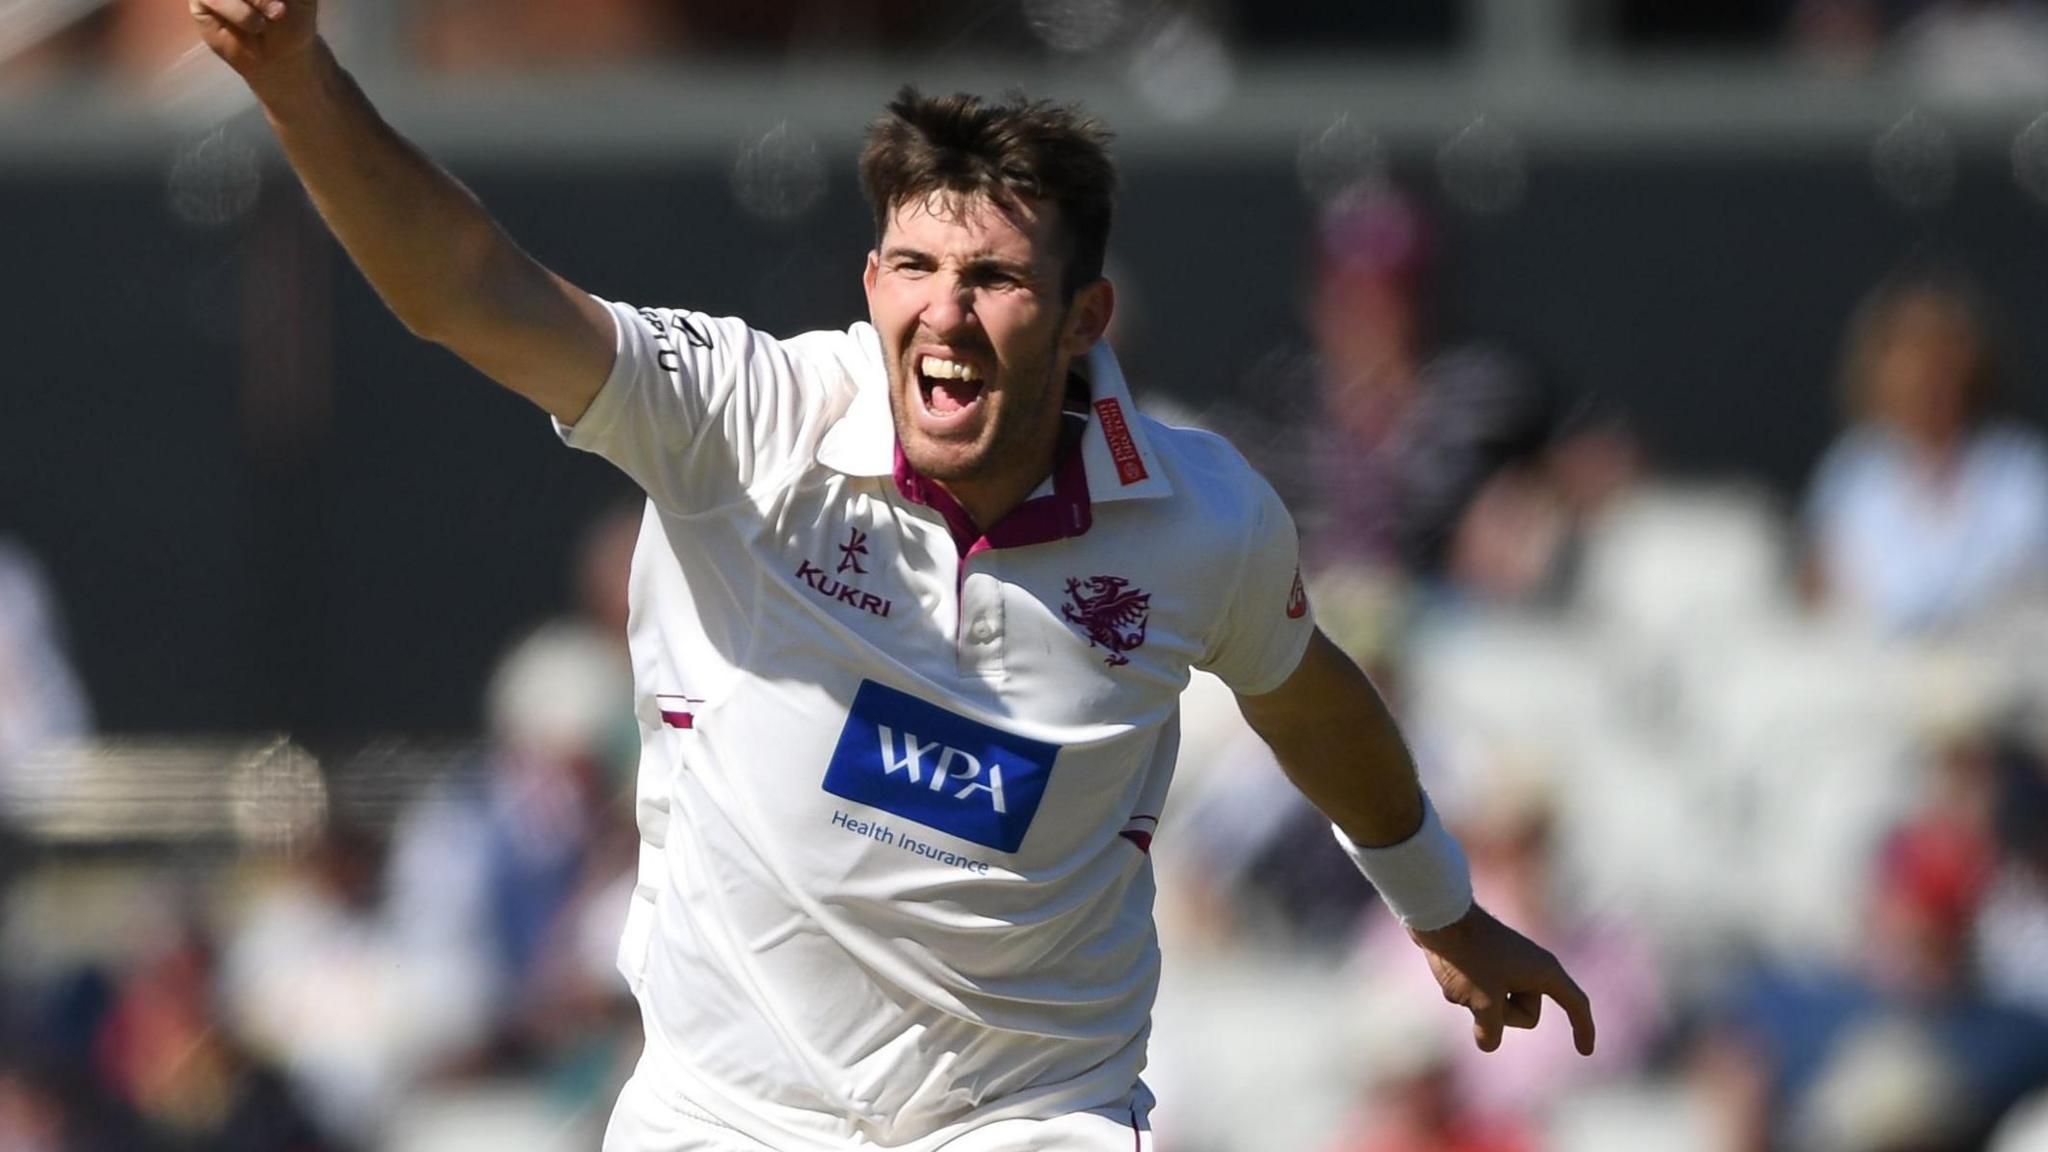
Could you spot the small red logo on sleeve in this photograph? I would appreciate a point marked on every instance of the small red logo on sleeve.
(1130, 467)
(1297, 600)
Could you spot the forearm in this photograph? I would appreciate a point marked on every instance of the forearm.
(423, 241)
(1369, 789)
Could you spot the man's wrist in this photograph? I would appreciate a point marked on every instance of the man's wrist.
(293, 82)
(1424, 879)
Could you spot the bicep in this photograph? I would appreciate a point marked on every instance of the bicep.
(1335, 739)
(1324, 686)
(538, 335)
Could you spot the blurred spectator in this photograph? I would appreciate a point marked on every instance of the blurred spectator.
(489, 863)
(511, 35)
(31, 1116)
(1979, 50)
(1375, 434)
(315, 979)
(1928, 509)
(163, 1056)
(519, 873)
(1413, 1105)
(1906, 1053)
(40, 696)
(473, 35)
(2012, 932)
(1455, 464)
(1967, 50)
(1841, 32)
(1959, 50)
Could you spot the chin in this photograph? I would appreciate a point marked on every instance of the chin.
(944, 463)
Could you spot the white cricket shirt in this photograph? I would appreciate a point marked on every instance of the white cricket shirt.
(897, 785)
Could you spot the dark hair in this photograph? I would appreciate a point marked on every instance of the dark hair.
(1011, 151)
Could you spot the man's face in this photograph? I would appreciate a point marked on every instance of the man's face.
(966, 297)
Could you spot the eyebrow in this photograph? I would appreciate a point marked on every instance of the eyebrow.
(984, 262)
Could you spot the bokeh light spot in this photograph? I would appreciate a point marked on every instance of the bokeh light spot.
(1483, 168)
(214, 180)
(1914, 162)
(780, 176)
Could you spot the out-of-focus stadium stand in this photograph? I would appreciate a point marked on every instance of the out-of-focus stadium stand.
(314, 835)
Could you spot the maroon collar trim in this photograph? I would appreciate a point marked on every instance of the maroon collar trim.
(1065, 513)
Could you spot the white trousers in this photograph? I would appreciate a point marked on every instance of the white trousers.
(642, 1122)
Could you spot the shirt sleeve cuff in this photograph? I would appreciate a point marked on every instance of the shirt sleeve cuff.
(603, 413)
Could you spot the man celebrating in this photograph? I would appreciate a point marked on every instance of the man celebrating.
(913, 604)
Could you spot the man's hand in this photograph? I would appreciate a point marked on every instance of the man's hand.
(1501, 977)
(255, 37)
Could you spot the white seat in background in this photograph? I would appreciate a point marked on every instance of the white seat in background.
(1809, 734)
(1532, 685)
(508, 1116)
(1670, 562)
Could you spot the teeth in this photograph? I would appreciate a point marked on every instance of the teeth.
(939, 369)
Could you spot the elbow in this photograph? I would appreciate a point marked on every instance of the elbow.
(432, 322)
(421, 326)
(446, 300)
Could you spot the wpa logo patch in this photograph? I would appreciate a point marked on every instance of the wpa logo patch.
(925, 764)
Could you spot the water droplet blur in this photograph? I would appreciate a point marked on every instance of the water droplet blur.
(1074, 26)
(1483, 168)
(1182, 70)
(215, 180)
(781, 176)
(1914, 162)
(1341, 160)
(2030, 159)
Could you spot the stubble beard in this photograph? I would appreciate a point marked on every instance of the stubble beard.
(1002, 442)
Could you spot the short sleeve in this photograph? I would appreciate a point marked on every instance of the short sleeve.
(700, 411)
(1265, 624)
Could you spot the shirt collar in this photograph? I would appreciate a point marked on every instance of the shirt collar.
(1114, 452)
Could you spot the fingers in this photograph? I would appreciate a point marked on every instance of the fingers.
(1577, 1007)
(1524, 1010)
(238, 15)
(1487, 1020)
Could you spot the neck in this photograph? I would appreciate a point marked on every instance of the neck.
(986, 502)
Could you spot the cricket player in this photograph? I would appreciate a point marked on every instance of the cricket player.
(912, 607)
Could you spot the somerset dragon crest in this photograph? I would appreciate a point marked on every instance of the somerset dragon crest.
(1110, 612)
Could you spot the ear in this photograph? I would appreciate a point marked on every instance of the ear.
(867, 276)
(1088, 317)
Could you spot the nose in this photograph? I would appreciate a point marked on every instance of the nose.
(950, 307)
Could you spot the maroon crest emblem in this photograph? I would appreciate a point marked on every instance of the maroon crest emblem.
(1110, 612)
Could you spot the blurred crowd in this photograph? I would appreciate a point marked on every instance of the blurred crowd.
(216, 998)
(1774, 783)
(1987, 46)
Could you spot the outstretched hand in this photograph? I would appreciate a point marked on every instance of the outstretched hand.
(1501, 977)
(255, 36)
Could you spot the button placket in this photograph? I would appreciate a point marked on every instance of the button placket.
(980, 643)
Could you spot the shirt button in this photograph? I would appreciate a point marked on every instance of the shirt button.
(983, 631)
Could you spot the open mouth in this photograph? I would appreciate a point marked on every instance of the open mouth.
(950, 388)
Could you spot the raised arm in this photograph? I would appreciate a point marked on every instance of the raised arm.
(1336, 741)
(439, 261)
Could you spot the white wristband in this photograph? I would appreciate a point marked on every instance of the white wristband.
(1424, 879)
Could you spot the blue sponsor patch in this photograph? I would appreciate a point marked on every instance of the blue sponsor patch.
(923, 763)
